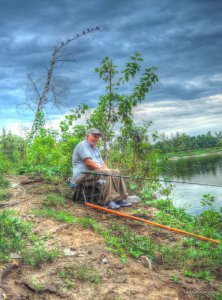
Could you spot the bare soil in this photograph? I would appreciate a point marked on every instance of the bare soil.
(136, 279)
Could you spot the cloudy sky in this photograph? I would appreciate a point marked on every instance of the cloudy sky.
(183, 39)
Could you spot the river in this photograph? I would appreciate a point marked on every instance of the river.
(201, 169)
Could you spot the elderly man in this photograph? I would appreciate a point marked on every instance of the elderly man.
(86, 156)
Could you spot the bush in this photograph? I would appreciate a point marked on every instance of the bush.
(48, 157)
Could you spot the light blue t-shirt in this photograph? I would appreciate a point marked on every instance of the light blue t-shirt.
(82, 151)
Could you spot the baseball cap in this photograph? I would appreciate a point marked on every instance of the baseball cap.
(94, 131)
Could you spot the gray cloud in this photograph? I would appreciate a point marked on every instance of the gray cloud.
(182, 38)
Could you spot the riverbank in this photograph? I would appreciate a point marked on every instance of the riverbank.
(100, 256)
(193, 153)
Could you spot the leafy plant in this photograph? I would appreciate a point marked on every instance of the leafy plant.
(175, 278)
(207, 200)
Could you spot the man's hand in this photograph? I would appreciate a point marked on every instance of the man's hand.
(104, 166)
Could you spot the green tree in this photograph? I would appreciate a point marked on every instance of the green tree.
(133, 150)
(12, 146)
(114, 106)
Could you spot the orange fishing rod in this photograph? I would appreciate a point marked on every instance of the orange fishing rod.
(120, 214)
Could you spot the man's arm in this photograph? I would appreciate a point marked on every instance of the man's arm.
(93, 165)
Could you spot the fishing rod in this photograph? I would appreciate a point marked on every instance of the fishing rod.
(151, 179)
(120, 214)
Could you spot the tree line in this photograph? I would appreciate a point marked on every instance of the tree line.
(184, 142)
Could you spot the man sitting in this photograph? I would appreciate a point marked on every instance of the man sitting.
(86, 156)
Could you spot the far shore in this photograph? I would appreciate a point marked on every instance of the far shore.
(195, 155)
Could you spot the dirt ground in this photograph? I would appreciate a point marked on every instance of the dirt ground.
(136, 279)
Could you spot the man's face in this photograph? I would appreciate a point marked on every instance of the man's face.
(93, 139)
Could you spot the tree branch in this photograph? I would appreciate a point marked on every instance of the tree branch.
(34, 85)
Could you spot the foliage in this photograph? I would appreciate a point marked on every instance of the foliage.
(38, 124)
(47, 156)
(183, 142)
(191, 255)
(114, 107)
(67, 126)
(12, 148)
(132, 153)
(43, 155)
(207, 200)
(5, 166)
(210, 217)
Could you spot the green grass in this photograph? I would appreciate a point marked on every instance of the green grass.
(16, 236)
(37, 254)
(191, 254)
(13, 233)
(53, 200)
(83, 273)
(204, 275)
(122, 241)
(4, 195)
(57, 215)
(66, 217)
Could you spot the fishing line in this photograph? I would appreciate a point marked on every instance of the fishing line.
(155, 180)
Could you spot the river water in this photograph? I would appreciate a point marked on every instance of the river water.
(202, 169)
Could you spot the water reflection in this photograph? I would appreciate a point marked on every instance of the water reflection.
(186, 168)
(202, 169)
